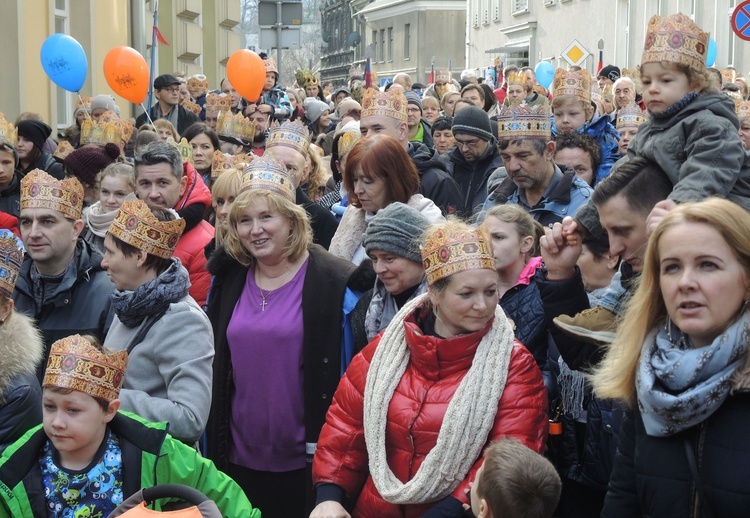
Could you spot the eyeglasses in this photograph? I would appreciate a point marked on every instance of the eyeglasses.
(173, 90)
(467, 143)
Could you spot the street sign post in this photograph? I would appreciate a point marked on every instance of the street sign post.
(280, 25)
(741, 20)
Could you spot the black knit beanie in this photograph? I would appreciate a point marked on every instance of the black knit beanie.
(611, 72)
(87, 162)
(473, 121)
(396, 229)
(35, 131)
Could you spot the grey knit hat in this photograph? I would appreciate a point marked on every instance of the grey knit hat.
(473, 121)
(396, 229)
(413, 98)
(314, 108)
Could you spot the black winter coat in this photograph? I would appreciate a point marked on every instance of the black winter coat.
(185, 118)
(523, 304)
(434, 181)
(652, 477)
(472, 177)
(10, 197)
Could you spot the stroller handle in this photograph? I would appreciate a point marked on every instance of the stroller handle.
(186, 493)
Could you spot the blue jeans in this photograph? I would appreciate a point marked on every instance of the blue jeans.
(615, 294)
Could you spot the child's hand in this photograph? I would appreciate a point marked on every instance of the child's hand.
(657, 214)
(329, 509)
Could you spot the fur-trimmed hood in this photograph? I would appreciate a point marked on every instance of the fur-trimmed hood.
(21, 349)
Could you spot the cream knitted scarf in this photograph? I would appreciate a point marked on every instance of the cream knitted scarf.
(467, 421)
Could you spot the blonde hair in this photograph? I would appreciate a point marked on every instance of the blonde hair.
(163, 124)
(120, 170)
(703, 81)
(300, 236)
(524, 223)
(615, 376)
(564, 100)
(316, 180)
(226, 186)
(428, 99)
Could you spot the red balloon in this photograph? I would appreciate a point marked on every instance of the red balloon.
(247, 73)
(127, 74)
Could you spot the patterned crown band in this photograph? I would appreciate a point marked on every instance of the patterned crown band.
(305, 78)
(39, 190)
(235, 126)
(390, 104)
(572, 82)
(216, 103)
(223, 162)
(108, 129)
(270, 65)
(676, 39)
(11, 257)
(191, 106)
(197, 85)
(292, 134)
(443, 76)
(183, 148)
(518, 121)
(347, 141)
(8, 131)
(630, 115)
(742, 109)
(268, 174)
(63, 149)
(74, 363)
(83, 102)
(518, 78)
(137, 226)
(451, 249)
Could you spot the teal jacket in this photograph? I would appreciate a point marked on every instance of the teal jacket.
(150, 457)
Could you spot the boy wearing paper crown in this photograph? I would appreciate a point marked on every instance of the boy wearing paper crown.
(86, 457)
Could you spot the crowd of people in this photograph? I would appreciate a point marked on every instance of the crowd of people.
(470, 298)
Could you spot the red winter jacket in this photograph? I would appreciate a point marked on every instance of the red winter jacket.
(415, 414)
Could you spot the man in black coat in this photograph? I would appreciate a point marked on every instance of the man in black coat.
(167, 93)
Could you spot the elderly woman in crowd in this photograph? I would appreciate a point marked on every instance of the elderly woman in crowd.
(442, 134)
(276, 306)
(392, 243)
(21, 351)
(378, 173)
(116, 184)
(166, 333)
(681, 363)
(419, 404)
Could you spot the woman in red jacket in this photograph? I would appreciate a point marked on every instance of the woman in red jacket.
(410, 419)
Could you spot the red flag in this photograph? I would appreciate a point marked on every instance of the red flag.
(432, 77)
(368, 74)
(601, 62)
(160, 37)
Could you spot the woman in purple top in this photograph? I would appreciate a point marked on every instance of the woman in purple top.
(276, 307)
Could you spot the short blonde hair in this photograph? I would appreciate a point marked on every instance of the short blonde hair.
(226, 186)
(565, 100)
(300, 237)
(163, 124)
(615, 376)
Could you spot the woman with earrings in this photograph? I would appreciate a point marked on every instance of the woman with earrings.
(418, 406)
(277, 306)
(680, 362)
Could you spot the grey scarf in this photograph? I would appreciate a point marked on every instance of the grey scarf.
(383, 307)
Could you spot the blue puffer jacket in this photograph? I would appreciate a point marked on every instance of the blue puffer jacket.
(605, 134)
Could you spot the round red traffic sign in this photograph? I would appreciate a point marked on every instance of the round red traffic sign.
(741, 20)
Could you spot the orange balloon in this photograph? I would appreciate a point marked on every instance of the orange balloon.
(247, 73)
(127, 74)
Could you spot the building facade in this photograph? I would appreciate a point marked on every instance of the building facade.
(524, 32)
(340, 41)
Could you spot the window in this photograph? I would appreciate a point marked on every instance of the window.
(495, 10)
(390, 43)
(64, 101)
(382, 44)
(374, 45)
(407, 41)
(520, 6)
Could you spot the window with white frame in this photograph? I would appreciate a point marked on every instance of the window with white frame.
(407, 41)
(64, 98)
(496, 10)
(374, 46)
(382, 45)
(520, 6)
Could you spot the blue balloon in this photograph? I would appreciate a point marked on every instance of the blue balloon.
(711, 54)
(64, 61)
(545, 73)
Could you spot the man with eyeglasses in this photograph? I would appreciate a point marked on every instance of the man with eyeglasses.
(167, 93)
(473, 159)
(260, 113)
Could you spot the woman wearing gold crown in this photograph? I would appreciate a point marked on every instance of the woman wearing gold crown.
(166, 333)
(416, 408)
(277, 307)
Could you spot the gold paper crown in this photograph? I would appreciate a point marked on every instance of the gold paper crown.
(292, 134)
(270, 64)
(107, 129)
(197, 85)
(596, 93)
(607, 93)
(235, 126)
(39, 190)
(728, 75)
(742, 109)
(127, 129)
(451, 249)
(191, 106)
(576, 83)
(517, 121)
(630, 115)
(83, 102)
(223, 162)
(137, 226)
(356, 72)
(76, 364)
(443, 75)
(183, 148)
(8, 132)
(518, 78)
(676, 39)
(216, 103)
(390, 104)
(11, 257)
(270, 175)
(305, 78)
(63, 149)
(347, 141)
